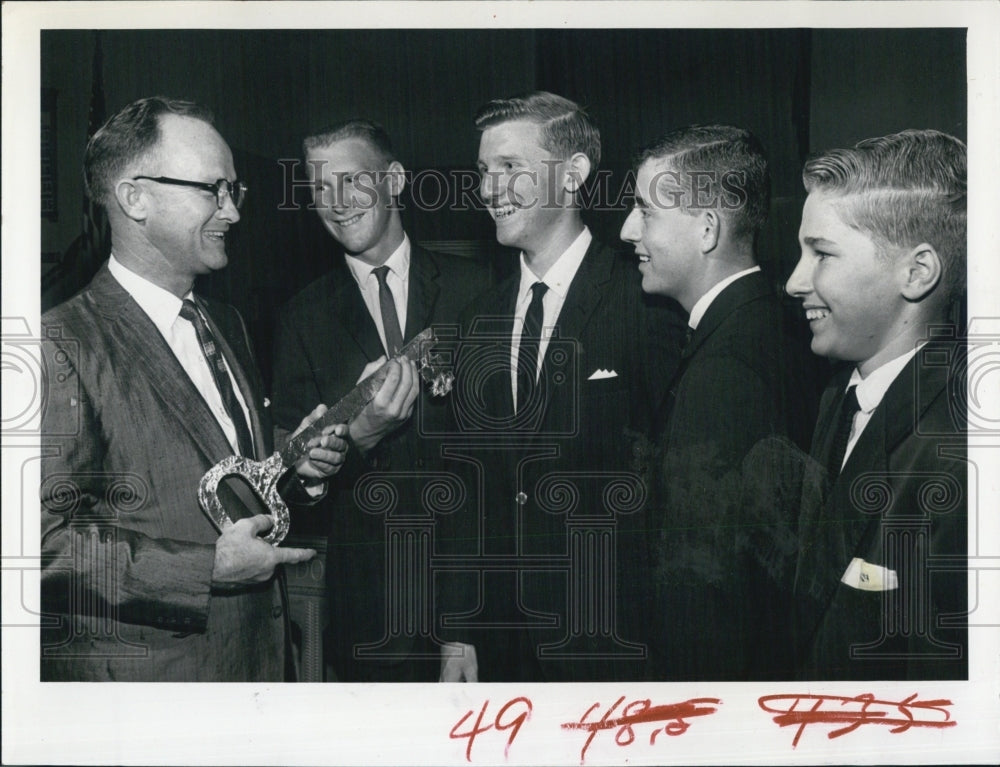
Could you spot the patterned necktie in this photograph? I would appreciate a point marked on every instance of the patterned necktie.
(849, 407)
(527, 353)
(222, 381)
(390, 320)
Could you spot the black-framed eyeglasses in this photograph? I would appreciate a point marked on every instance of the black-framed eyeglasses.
(223, 188)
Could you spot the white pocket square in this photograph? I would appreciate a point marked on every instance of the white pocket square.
(865, 576)
(600, 374)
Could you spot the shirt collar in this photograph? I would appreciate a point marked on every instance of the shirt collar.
(872, 388)
(699, 309)
(159, 304)
(561, 273)
(398, 263)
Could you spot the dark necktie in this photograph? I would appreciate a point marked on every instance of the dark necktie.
(222, 381)
(845, 420)
(527, 353)
(390, 320)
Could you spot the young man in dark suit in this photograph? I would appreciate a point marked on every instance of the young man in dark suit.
(335, 332)
(702, 196)
(148, 386)
(880, 591)
(552, 374)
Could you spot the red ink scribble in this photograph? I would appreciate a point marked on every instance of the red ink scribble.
(641, 712)
(845, 710)
(514, 724)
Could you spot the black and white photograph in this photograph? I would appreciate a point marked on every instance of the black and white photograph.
(500, 383)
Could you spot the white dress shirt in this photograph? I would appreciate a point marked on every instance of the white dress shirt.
(398, 280)
(870, 392)
(558, 279)
(163, 308)
(699, 309)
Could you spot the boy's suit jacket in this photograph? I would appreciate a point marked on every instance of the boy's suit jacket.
(900, 503)
(325, 338)
(564, 461)
(721, 554)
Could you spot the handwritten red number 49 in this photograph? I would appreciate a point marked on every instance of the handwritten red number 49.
(507, 718)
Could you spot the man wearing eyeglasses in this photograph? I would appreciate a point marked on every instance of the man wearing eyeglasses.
(147, 387)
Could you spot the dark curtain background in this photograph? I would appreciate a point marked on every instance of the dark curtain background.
(799, 90)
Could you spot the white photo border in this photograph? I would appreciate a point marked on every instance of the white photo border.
(223, 724)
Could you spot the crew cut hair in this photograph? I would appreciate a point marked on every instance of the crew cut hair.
(902, 190)
(566, 126)
(725, 165)
(126, 137)
(367, 130)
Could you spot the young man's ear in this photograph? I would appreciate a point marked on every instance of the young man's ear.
(397, 178)
(709, 225)
(922, 272)
(577, 171)
(130, 199)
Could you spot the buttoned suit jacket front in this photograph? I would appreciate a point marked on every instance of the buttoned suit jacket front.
(127, 553)
(901, 503)
(325, 338)
(562, 463)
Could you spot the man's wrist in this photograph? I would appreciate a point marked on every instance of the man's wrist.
(358, 448)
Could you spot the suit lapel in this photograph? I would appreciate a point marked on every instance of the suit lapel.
(504, 308)
(423, 292)
(584, 296)
(585, 292)
(750, 288)
(891, 422)
(486, 334)
(843, 528)
(494, 318)
(829, 405)
(354, 317)
(140, 340)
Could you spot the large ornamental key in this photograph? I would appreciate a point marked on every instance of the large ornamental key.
(238, 487)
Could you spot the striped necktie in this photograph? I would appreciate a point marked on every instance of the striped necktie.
(221, 375)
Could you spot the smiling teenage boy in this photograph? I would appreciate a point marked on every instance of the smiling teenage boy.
(883, 230)
(383, 291)
(551, 396)
(702, 198)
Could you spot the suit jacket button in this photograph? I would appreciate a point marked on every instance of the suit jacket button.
(521, 498)
(276, 611)
(420, 463)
